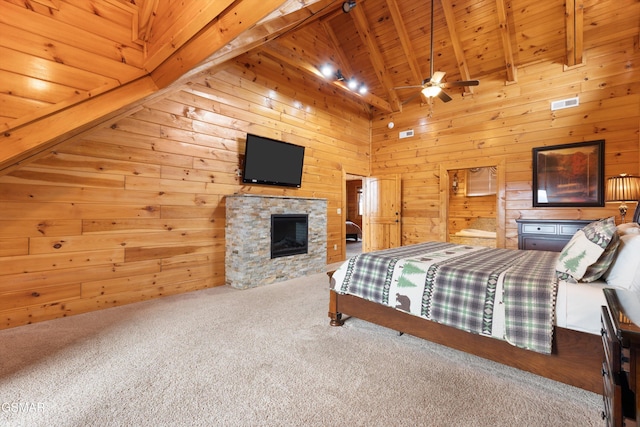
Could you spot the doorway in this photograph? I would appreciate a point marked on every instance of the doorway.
(379, 208)
(354, 207)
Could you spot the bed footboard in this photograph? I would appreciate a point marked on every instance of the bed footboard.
(575, 360)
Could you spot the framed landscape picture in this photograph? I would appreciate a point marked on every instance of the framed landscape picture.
(569, 175)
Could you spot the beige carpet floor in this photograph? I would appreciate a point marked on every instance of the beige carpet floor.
(260, 357)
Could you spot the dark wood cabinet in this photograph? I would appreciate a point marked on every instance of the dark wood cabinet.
(621, 365)
(547, 234)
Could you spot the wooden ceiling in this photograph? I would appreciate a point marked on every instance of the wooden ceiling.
(386, 43)
(68, 65)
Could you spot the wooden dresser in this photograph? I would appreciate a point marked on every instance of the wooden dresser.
(621, 367)
(547, 234)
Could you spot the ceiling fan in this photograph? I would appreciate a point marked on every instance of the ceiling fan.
(433, 85)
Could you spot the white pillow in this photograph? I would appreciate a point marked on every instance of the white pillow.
(635, 283)
(624, 272)
(628, 228)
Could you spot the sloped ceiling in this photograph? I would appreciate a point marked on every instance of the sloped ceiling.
(69, 65)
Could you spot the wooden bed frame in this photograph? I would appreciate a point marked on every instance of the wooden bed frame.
(576, 357)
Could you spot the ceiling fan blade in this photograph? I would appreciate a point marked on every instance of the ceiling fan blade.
(460, 83)
(408, 87)
(438, 76)
(411, 98)
(443, 96)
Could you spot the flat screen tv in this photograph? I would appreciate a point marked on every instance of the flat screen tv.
(271, 162)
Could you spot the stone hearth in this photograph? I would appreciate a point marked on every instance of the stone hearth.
(248, 261)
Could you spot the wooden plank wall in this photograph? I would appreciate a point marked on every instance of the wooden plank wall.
(100, 54)
(506, 122)
(136, 210)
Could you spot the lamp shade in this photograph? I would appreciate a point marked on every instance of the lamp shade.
(431, 91)
(623, 188)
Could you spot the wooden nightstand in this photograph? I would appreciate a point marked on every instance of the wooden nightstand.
(547, 234)
(621, 367)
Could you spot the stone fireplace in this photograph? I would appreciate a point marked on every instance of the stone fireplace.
(249, 218)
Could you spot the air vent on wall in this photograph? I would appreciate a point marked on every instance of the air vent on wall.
(565, 103)
(406, 134)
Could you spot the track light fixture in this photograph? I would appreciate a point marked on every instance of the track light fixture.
(352, 83)
(326, 70)
(348, 5)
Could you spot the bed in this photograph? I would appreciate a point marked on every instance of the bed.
(481, 232)
(472, 236)
(567, 346)
(353, 231)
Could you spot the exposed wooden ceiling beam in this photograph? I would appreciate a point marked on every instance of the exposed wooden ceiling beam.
(146, 17)
(39, 136)
(345, 65)
(178, 36)
(292, 59)
(267, 30)
(574, 14)
(455, 42)
(360, 20)
(505, 34)
(409, 53)
(227, 26)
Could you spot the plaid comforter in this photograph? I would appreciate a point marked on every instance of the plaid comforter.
(458, 285)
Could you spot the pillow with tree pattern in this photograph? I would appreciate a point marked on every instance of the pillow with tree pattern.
(585, 249)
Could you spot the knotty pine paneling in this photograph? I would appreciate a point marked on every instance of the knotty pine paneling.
(98, 54)
(136, 210)
(507, 122)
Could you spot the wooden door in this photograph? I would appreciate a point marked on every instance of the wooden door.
(381, 219)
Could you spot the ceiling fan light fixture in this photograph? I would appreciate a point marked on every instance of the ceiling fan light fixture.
(362, 89)
(352, 84)
(431, 91)
(348, 5)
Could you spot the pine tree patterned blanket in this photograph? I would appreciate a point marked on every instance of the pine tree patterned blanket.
(504, 293)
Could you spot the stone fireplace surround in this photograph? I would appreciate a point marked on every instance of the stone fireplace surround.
(248, 261)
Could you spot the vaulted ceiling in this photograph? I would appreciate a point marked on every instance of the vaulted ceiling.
(68, 65)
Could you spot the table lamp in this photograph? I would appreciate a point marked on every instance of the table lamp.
(623, 188)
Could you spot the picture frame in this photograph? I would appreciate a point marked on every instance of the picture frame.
(569, 175)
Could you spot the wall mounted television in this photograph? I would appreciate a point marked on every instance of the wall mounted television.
(271, 162)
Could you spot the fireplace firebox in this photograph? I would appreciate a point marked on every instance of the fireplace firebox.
(289, 234)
